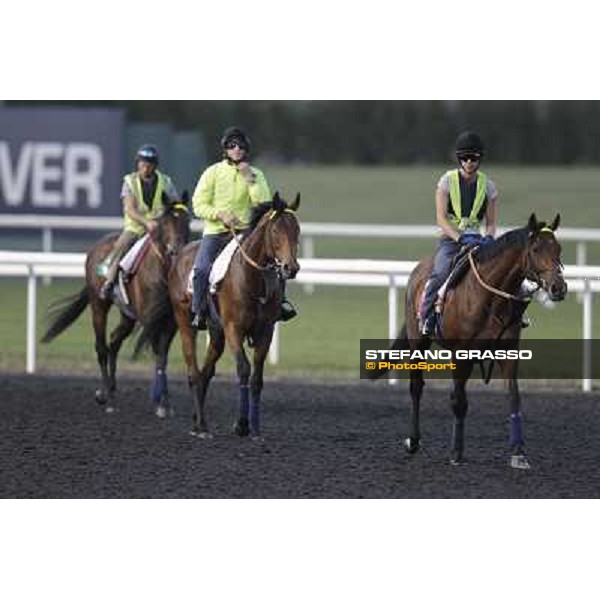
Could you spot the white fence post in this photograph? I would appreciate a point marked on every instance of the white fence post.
(308, 251)
(274, 348)
(587, 337)
(580, 260)
(392, 315)
(31, 318)
(47, 247)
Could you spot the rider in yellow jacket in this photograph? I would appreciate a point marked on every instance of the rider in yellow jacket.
(143, 194)
(224, 197)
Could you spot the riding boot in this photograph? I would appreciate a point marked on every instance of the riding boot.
(287, 310)
(199, 300)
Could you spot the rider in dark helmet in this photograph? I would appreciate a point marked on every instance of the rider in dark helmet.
(223, 198)
(143, 195)
(465, 197)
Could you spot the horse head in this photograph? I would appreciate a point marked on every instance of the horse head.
(174, 226)
(282, 235)
(543, 258)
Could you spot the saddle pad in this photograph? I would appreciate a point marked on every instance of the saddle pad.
(219, 267)
(128, 261)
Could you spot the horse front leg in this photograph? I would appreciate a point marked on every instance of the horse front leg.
(117, 337)
(518, 459)
(104, 394)
(256, 382)
(235, 340)
(460, 407)
(188, 347)
(412, 443)
(159, 392)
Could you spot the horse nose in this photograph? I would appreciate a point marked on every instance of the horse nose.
(290, 270)
(558, 290)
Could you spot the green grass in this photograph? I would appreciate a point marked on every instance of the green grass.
(325, 338)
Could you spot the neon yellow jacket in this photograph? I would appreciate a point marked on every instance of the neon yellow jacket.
(222, 188)
(152, 212)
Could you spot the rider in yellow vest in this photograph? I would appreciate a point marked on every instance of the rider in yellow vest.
(465, 197)
(143, 194)
(224, 197)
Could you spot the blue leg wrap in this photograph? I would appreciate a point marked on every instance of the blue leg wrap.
(516, 434)
(159, 386)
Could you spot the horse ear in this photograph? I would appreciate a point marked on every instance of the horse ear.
(278, 203)
(532, 224)
(296, 203)
(554, 225)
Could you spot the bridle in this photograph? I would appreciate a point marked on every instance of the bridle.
(529, 273)
(274, 264)
(166, 257)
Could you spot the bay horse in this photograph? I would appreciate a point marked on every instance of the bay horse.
(145, 290)
(484, 310)
(246, 308)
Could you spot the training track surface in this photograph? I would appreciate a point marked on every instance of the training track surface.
(322, 440)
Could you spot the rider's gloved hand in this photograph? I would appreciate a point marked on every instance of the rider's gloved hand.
(469, 239)
(487, 239)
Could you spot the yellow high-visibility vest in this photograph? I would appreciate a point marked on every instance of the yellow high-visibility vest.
(457, 218)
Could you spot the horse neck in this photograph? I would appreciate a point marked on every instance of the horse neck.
(255, 244)
(504, 272)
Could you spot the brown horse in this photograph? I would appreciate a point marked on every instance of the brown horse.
(484, 310)
(246, 308)
(145, 290)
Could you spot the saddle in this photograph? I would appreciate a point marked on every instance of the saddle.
(130, 263)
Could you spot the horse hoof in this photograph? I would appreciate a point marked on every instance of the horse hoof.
(519, 461)
(258, 439)
(457, 462)
(101, 397)
(241, 428)
(109, 410)
(161, 412)
(202, 435)
(410, 446)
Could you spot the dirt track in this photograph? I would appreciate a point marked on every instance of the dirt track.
(333, 441)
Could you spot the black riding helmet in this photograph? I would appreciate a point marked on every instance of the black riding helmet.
(235, 134)
(147, 153)
(469, 142)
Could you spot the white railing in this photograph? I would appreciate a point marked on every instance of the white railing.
(48, 223)
(371, 273)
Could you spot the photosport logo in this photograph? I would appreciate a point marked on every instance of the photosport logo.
(537, 359)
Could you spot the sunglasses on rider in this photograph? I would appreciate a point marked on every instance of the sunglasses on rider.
(231, 144)
(469, 157)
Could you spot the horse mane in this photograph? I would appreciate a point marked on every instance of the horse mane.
(515, 238)
(258, 212)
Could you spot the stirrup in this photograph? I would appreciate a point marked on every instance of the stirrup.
(427, 326)
(199, 321)
(287, 311)
(106, 291)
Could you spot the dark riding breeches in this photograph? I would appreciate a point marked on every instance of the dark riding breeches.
(210, 247)
(442, 265)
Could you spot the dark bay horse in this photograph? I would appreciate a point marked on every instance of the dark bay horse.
(248, 304)
(485, 310)
(146, 290)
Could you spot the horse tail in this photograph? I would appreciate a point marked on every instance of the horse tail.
(400, 343)
(154, 323)
(63, 312)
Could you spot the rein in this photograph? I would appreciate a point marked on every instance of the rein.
(243, 252)
(490, 288)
